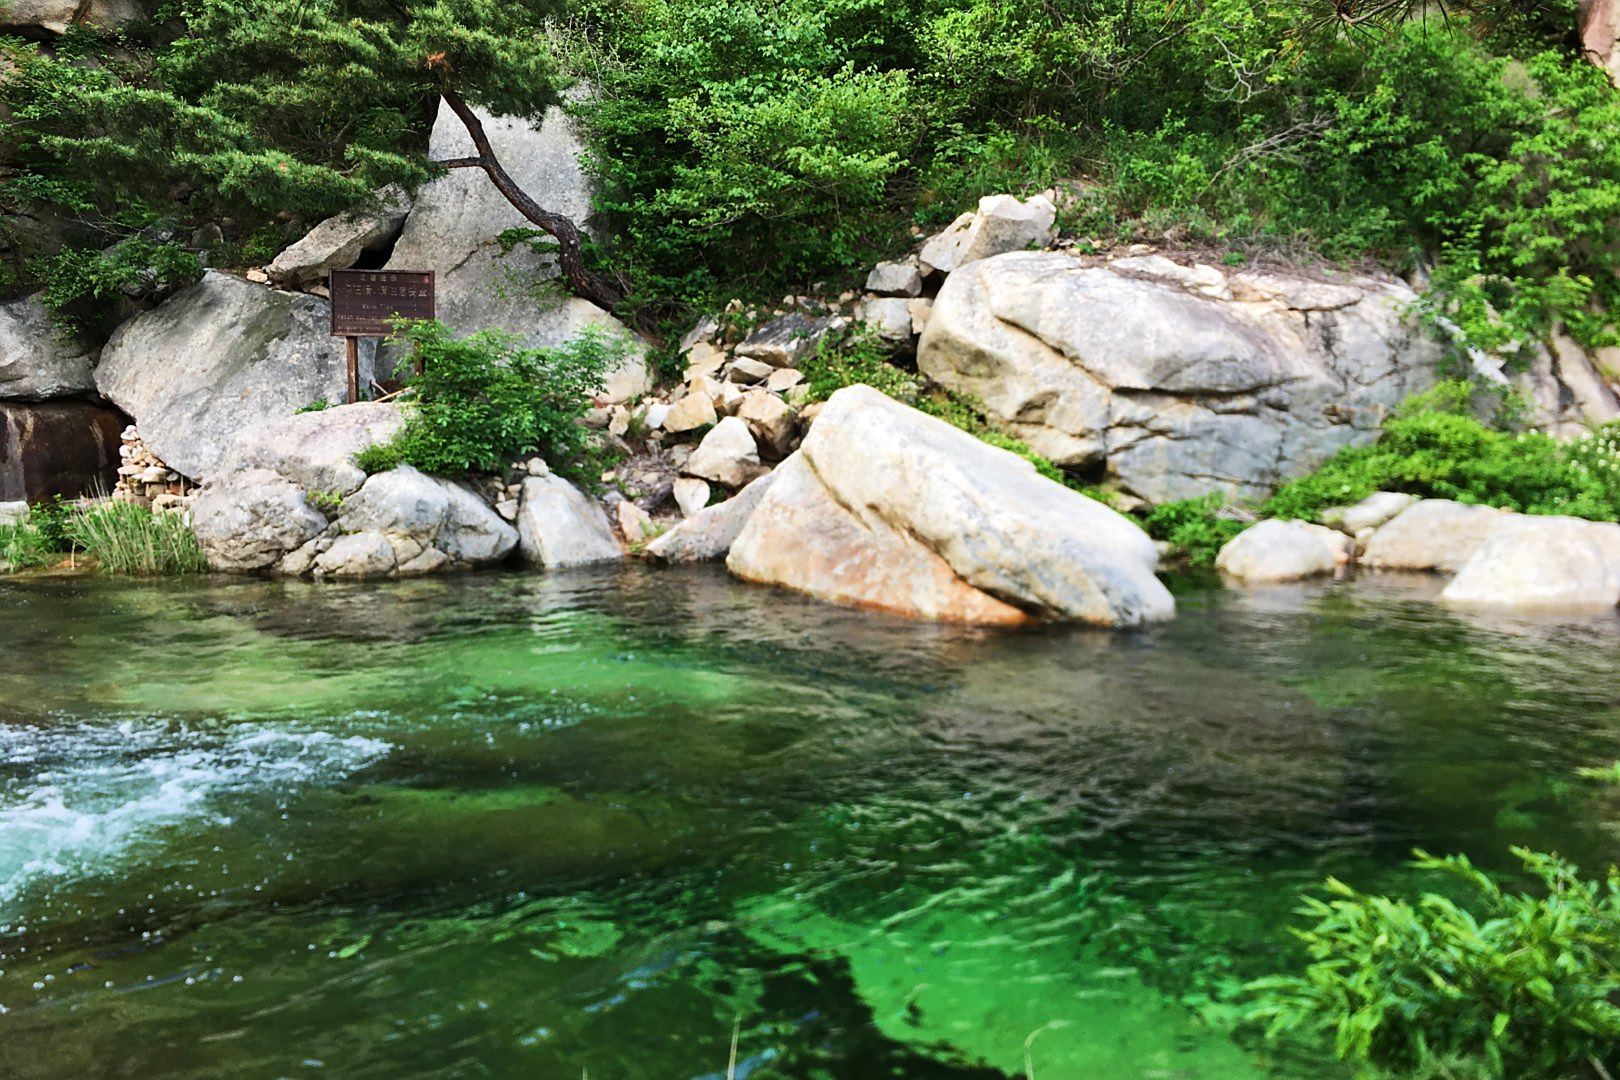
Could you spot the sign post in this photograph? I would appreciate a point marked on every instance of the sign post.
(366, 302)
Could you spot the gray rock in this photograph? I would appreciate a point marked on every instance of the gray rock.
(1369, 513)
(560, 526)
(338, 242)
(895, 279)
(1173, 390)
(708, 532)
(1435, 534)
(252, 520)
(315, 450)
(218, 357)
(1278, 550)
(774, 423)
(37, 361)
(886, 507)
(1001, 224)
(13, 513)
(748, 371)
(473, 534)
(695, 410)
(42, 18)
(782, 342)
(727, 455)
(889, 318)
(452, 230)
(357, 555)
(1542, 563)
(66, 448)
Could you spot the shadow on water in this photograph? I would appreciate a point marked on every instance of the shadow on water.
(532, 824)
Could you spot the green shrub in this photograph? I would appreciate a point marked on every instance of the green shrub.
(1500, 984)
(129, 539)
(1436, 448)
(482, 401)
(1194, 528)
(24, 546)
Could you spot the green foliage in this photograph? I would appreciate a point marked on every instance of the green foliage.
(82, 286)
(1607, 774)
(244, 111)
(482, 401)
(318, 405)
(129, 539)
(24, 546)
(1194, 528)
(1498, 983)
(1434, 447)
(328, 502)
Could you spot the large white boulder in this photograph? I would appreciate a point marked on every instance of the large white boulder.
(1435, 534)
(315, 450)
(1002, 223)
(1177, 380)
(1550, 563)
(216, 358)
(561, 526)
(1279, 550)
(453, 230)
(886, 507)
(37, 360)
(339, 241)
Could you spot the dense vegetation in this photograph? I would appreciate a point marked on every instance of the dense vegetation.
(121, 537)
(1494, 984)
(748, 147)
(481, 401)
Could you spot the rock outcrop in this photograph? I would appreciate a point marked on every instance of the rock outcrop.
(1001, 224)
(453, 230)
(219, 357)
(66, 448)
(338, 242)
(1532, 562)
(887, 508)
(37, 361)
(1279, 550)
(1177, 380)
(1599, 26)
(48, 18)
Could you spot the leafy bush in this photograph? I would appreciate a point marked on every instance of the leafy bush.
(1435, 447)
(482, 401)
(1194, 528)
(129, 539)
(1501, 984)
(24, 546)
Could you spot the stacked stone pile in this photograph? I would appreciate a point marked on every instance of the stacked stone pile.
(145, 480)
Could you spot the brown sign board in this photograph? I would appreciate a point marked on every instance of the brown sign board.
(365, 303)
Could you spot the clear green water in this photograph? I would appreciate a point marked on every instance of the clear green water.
(534, 826)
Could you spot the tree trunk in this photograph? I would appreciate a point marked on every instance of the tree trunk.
(570, 255)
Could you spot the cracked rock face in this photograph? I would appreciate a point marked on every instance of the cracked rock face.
(1176, 380)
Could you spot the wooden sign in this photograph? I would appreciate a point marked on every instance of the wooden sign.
(366, 302)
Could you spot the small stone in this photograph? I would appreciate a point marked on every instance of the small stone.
(783, 379)
(770, 419)
(889, 317)
(731, 396)
(691, 495)
(537, 467)
(704, 331)
(619, 421)
(919, 310)
(746, 371)
(596, 418)
(895, 279)
(727, 455)
(1278, 550)
(704, 359)
(508, 509)
(693, 411)
(257, 276)
(635, 524)
(655, 415)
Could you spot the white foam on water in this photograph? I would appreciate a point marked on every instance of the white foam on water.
(76, 798)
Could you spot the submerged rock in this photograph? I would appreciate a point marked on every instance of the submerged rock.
(1176, 379)
(888, 508)
(218, 357)
(1533, 562)
(1435, 534)
(1278, 550)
